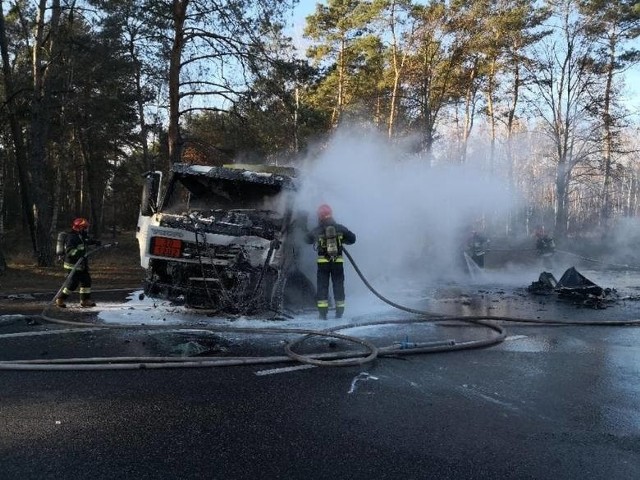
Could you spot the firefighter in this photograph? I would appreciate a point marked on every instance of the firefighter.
(75, 248)
(476, 247)
(545, 246)
(327, 239)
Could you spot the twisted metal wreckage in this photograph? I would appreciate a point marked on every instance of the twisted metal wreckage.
(223, 238)
(574, 286)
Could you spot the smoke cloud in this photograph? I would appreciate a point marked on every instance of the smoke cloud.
(410, 219)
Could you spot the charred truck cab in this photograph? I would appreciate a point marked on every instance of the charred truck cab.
(222, 238)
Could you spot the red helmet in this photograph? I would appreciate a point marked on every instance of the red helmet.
(324, 212)
(80, 224)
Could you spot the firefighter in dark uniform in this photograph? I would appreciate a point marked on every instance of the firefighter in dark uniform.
(327, 239)
(544, 243)
(545, 246)
(476, 247)
(75, 248)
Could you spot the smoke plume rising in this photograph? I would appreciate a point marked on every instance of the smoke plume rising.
(410, 219)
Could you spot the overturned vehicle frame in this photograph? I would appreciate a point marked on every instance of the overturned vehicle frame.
(222, 238)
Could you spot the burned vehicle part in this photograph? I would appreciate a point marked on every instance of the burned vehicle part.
(573, 286)
(545, 284)
(223, 238)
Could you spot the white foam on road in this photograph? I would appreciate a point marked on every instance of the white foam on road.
(139, 309)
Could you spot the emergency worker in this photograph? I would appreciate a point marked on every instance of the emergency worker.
(545, 245)
(75, 248)
(327, 239)
(476, 247)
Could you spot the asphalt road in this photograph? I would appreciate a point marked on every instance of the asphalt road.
(550, 402)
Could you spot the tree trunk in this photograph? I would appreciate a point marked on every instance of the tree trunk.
(40, 121)
(491, 113)
(175, 63)
(94, 185)
(55, 207)
(561, 214)
(337, 111)
(3, 262)
(608, 139)
(469, 110)
(511, 159)
(398, 66)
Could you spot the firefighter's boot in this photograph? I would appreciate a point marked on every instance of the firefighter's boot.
(339, 312)
(61, 300)
(86, 302)
(322, 312)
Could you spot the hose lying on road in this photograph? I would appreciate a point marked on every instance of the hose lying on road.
(342, 358)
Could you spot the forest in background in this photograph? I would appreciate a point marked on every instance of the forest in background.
(96, 92)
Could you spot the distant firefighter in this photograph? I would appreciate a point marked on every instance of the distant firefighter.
(476, 247)
(327, 239)
(545, 245)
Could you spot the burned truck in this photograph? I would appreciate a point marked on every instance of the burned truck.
(223, 238)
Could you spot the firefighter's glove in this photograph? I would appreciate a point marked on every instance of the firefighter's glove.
(60, 258)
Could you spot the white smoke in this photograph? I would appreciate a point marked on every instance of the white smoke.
(410, 218)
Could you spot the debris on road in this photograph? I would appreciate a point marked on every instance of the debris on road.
(573, 286)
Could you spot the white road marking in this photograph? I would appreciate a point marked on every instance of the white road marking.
(515, 337)
(360, 376)
(284, 369)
